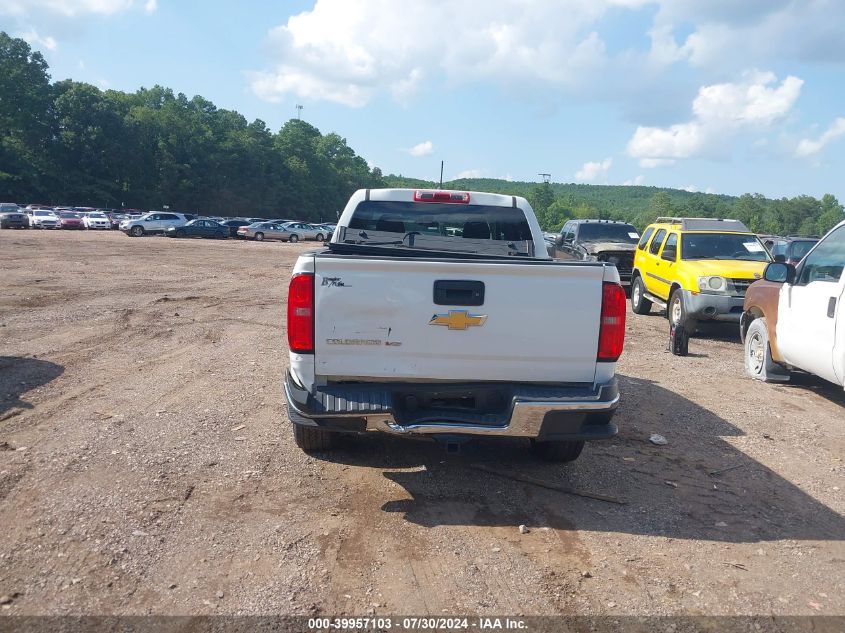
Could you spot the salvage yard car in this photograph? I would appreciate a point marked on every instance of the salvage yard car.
(43, 219)
(793, 318)
(301, 231)
(264, 231)
(697, 268)
(199, 228)
(70, 220)
(792, 249)
(11, 217)
(96, 220)
(599, 240)
(429, 314)
(154, 222)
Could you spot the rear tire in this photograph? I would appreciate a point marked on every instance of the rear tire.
(565, 451)
(758, 354)
(310, 439)
(180, 233)
(639, 304)
(320, 237)
(259, 237)
(294, 238)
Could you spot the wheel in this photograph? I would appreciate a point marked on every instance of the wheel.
(180, 233)
(566, 451)
(320, 237)
(294, 238)
(758, 354)
(259, 237)
(639, 304)
(677, 313)
(310, 439)
(136, 231)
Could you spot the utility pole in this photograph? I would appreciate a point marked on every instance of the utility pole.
(299, 112)
(441, 174)
(547, 178)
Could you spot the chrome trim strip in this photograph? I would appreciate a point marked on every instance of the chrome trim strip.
(653, 276)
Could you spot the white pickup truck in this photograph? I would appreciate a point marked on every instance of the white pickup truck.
(440, 313)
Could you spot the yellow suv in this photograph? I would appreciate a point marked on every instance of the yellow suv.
(696, 268)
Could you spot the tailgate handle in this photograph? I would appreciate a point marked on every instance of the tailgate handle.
(448, 292)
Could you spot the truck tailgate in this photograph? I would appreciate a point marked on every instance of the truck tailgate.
(376, 319)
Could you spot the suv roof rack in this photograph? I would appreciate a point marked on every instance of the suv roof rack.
(597, 221)
(706, 224)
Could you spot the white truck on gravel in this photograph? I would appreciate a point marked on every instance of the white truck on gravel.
(441, 314)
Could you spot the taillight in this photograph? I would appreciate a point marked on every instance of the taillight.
(301, 313)
(454, 197)
(612, 329)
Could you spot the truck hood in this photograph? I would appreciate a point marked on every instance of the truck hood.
(599, 247)
(732, 268)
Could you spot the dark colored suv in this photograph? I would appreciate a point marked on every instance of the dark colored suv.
(791, 250)
(599, 240)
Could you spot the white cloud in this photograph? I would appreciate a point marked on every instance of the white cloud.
(590, 171)
(720, 112)
(349, 51)
(634, 182)
(422, 149)
(691, 188)
(470, 173)
(751, 32)
(35, 40)
(151, 6)
(367, 47)
(809, 147)
(753, 101)
(651, 163)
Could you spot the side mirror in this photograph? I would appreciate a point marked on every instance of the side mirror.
(780, 259)
(558, 239)
(779, 272)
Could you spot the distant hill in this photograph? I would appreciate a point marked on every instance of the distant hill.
(554, 203)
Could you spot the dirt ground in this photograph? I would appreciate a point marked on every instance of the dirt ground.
(147, 466)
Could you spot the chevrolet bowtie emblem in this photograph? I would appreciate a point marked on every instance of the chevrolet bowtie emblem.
(458, 319)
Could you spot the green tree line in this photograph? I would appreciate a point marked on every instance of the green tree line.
(555, 203)
(71, 143)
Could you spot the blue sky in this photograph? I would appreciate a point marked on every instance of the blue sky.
(712, 95)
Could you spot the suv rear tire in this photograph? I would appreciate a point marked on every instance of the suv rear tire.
(136, 231)
(310, 439)
(564, 451)
(639, 304)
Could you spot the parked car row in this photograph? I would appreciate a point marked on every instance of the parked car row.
(41, 217)
(137, 223)
(182, 226)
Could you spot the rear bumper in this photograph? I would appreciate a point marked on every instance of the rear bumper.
(565, 412)
(713, 307)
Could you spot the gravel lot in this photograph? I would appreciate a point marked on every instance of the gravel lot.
(147, 466)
